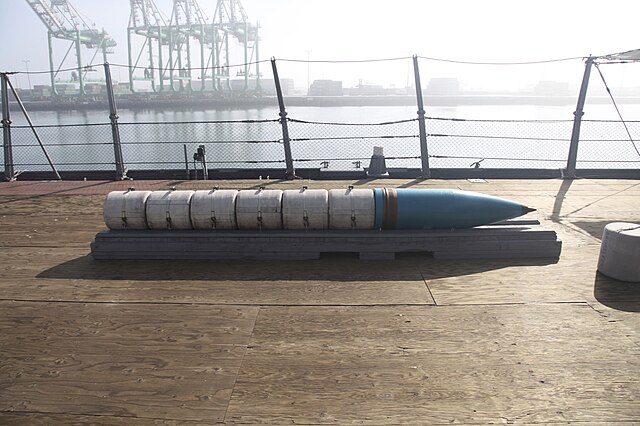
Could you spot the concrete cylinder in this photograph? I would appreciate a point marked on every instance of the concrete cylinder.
(620, 251)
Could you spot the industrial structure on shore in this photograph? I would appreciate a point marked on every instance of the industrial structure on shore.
(191, 50)
(196, 56)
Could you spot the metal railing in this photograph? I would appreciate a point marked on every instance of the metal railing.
(258, 144)
(417, 146)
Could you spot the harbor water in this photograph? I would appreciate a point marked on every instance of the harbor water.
(491, 136)
(342, 114)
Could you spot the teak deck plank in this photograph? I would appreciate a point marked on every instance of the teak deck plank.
(524, 331)
(228, 292)
(174, 362)
(392, 365)
(48, 419)
(570, 280)
(413, 392)
(70, 274)
(337, 340)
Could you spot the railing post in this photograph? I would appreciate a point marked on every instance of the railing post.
(424, 152)
(121, 173)
(570, 171)
(9, 172)
(290, 172)
(35, 133)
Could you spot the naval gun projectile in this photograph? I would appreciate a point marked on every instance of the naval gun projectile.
(441, 209)
(309, 209)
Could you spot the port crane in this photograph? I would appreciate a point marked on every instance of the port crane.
(231, 20)
(63, 22)
(147, 20)
(190, 46)
(188, 22)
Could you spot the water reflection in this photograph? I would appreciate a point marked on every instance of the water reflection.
(458, 136)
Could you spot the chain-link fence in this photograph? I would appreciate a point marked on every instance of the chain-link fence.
(228, 144)
(349, 146)
(609, 144)
(256, 144)
(70, 147)
(458, 143)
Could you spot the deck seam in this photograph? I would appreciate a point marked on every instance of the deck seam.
(244, 356)
(426, 284)
(600, 199)
(282, 305)
(54, 413)
(606, 316)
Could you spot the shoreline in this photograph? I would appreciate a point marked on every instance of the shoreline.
(206, 102)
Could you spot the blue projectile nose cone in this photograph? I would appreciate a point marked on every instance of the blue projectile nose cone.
(418, 208)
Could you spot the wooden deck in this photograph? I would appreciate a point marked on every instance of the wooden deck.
(335, 340)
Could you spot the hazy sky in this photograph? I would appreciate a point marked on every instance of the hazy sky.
(467, 30)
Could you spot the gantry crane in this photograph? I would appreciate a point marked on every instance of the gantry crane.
(231, 20)
(64, 22)
(187, 22)
(146, 20)
(173, 41)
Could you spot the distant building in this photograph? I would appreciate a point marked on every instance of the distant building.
(325, 88)
(443, 86)
(267, 85)
(120, 88)
(94, 89)
(286, 84)
(372, 90)
(41, 90)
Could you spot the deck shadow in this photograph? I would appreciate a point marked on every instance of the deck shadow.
(343, 268)
(433, 269)
(414, 182)
(53, 192)
(618, 295)
(595, 228)
(559, 200)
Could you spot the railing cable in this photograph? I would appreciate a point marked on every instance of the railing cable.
(544, 61)
(617, 110)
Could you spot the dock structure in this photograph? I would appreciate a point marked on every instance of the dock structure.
(416, 340)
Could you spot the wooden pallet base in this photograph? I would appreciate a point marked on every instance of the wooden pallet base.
(512, 239)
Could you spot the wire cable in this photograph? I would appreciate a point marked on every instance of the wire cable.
(292, 120)
(90, 67)
(462, 157)
(345, 61)
(544, 61)
(189, 69)
(617, 110)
